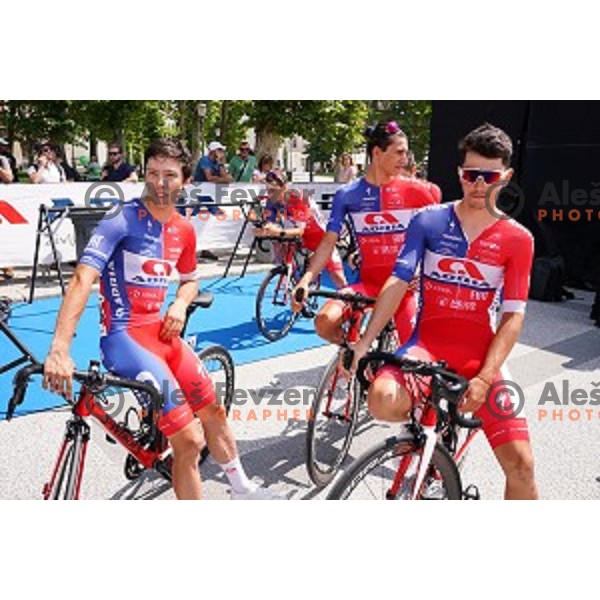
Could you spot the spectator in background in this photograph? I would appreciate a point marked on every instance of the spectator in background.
(243, 164)
(46, 168)
(345, 171)
(12, 161)
(71, 173)
(211, 168)
(411, 171)
(94, 170)
(265, 165)
(6, 175)
(117, 169)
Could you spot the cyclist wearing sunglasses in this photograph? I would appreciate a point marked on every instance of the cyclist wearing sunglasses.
(290, 213)
(133, 253)
(473, 260)
(378, 207)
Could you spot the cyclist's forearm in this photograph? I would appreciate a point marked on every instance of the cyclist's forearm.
(504, 341)
(71, 310)
(321, 256)
(387, 303)
(187, 292)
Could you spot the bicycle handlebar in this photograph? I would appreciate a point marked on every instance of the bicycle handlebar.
(351, 298)
(92, 378)
(448, 384)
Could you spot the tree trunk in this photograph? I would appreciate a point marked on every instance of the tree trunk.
(224, 107)
(197, 134)
(267, 142)
(93, 146)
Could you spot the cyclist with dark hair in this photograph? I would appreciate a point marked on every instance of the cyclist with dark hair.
(378, 208)
(134, 253)
(292, 213)
(473, 261)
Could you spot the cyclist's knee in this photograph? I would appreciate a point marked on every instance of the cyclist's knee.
(327, 323)
(187, 442)
(517, 462)
(386, 397)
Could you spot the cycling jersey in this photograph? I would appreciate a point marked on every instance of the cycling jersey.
(302, 212)
(379, 217)
(462, 286)
(135, 255)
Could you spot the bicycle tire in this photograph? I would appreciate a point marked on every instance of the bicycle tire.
(219, 354)
(443, 468)
(274, 333)
(323, 475)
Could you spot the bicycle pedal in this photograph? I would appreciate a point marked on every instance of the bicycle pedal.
(471, 493)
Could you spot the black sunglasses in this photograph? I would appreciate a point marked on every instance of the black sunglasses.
(274, 179)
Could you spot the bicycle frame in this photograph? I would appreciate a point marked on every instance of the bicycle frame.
(87, 406)
(355, 322)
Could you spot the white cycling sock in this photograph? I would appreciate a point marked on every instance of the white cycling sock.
(237, 476)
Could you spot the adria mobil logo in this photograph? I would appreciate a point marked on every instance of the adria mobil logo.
(381, 223)
(463, 272)
(157, 268)
(11, 214)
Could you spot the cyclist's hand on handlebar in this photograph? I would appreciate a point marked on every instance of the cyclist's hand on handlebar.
(358, 351)
(173, 322)
(475, 396)
(300, 291)
(58, 373)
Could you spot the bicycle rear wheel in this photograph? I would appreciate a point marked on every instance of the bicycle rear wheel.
(219, 364)
(388, 472)
(333, 422)
(274, 314)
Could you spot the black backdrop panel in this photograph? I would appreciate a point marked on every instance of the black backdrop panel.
(452, 120)
(554, 142)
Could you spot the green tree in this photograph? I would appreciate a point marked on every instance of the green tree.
(413, 116)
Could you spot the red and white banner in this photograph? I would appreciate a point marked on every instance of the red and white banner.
(19, 210)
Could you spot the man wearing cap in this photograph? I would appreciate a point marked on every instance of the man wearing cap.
(211, 168)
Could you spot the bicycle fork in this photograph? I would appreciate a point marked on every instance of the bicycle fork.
(77, 436)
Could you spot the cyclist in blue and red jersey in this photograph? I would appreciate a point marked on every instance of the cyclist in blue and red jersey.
(134, 253)
(293, 213)
(378, 207)
(474, 260)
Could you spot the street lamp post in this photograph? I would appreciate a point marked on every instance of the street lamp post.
(201, 110)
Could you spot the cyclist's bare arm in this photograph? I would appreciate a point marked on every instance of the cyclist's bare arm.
(175, 317)
(317, 263)
(270, 229)
(507, 335)
(503, 342)
(387, 303)
(58, 366)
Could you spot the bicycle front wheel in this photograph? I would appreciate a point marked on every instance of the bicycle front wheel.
(65, 485)
(388, 472)
(274, 313)
(332, 424)
(219, 365)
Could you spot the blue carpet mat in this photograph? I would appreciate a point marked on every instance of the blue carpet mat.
(230, 322)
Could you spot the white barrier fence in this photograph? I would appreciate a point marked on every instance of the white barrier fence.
(19, 210)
